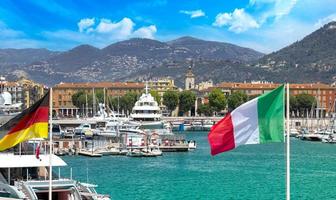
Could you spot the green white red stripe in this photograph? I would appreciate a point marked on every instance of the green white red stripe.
(260, 120)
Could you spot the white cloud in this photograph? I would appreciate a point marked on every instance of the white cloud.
(145, 32)
(272, 8)
(238, 21)
(193, 13)
(85, 24)
(115, 30)
(325, 20)
(98, 32)
(121, 29)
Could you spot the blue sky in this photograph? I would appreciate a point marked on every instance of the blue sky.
(264, 25)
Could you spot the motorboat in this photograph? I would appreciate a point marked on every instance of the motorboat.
(135, 153)
(192, 145)
(154, 149)
(29, 179)
(107, 151)
(196, 126)
(331, 138)
(57, 131)
(83, 130)
(187, 126)
(311, 137)
(177, 126)
(207, 124)
(293, 132)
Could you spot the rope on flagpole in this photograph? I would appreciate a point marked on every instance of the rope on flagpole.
(50, 143)
(287, 149)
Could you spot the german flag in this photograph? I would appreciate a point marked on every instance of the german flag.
(31, 123)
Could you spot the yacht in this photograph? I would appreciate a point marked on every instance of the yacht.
(6, 106)
(147, 112)
(207, 124)
(115, 127)
(28, 179)
(196, 126)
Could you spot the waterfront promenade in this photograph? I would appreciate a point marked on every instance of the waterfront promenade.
(294, 122)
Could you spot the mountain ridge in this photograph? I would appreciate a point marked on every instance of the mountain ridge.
(308, 60)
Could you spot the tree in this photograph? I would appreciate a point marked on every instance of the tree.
(236, 99)
(187, 101)
(77, 99)
(171, 99)
(127, 101)
(305, 102)
(217, 100)
(99, 93)
(205, 109)
(250, 97)
(113, 103)
(293, 103)
(156, 96)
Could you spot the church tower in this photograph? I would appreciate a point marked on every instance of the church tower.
(189, 80)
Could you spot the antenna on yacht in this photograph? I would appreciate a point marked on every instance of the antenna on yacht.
(146, 87)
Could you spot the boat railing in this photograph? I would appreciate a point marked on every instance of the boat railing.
(26, 190)
(12, 190)
(58, 182)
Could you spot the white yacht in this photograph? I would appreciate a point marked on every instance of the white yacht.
(6, 106)
(147, 112)
(28, 179)
(114, 127)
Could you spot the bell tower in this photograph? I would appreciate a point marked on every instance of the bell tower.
(189, 80)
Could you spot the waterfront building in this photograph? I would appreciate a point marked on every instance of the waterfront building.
(62, 94)
(162, 85)
(23, 91)
(32, 91)
(205, 85)
(325, 94)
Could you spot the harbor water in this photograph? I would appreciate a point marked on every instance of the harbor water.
(248, 172)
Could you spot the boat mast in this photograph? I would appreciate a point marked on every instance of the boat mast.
(146, 89)
(104, 104)
(93, 103)
(86, 105)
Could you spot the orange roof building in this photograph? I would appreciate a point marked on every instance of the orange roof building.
(325, 94)
(62, 93)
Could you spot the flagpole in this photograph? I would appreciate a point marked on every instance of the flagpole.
(50, 143)
(287, 148)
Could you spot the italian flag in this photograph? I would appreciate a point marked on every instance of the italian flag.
(257, 121)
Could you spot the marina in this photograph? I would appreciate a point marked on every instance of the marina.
(185, 175)
(167, 100)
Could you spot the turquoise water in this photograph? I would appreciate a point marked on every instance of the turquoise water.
(248, 172)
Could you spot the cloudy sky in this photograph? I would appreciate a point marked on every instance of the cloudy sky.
(264, 25)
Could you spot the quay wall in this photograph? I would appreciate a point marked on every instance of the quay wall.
(294, 122)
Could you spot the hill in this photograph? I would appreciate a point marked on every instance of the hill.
(311, 59)
(131, 59)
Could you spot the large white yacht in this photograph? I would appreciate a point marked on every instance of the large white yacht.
(147, 111)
